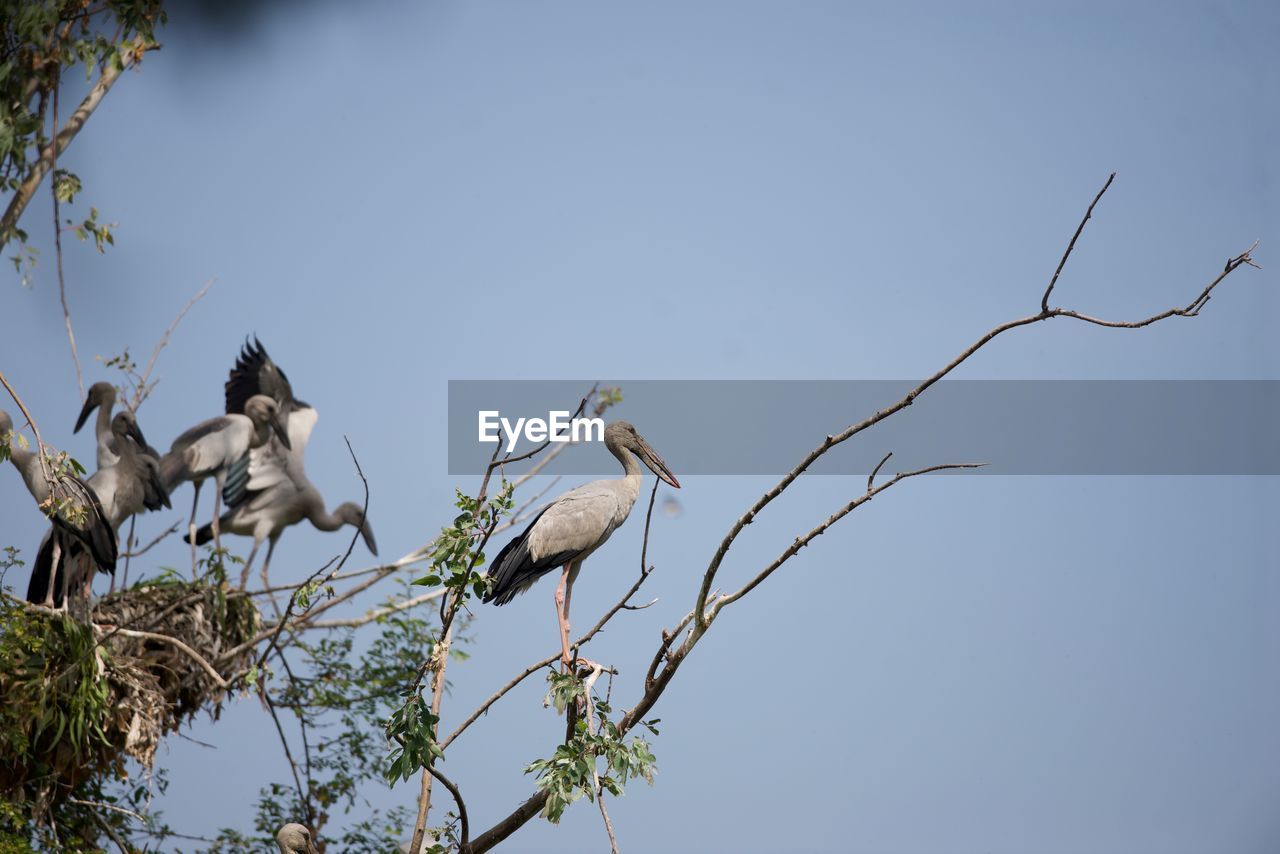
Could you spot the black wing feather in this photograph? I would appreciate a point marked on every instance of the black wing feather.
(255, 373)
(515, 570)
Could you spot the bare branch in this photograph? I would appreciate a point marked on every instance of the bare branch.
(1190, 310)
(57, 245)
(465, 841)
(1044, 300)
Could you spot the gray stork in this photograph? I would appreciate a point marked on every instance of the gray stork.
(573, 526)
(211, 447)
(129, 486)
(80, 521)
(268, 490)
(102, 396)
(293, 838)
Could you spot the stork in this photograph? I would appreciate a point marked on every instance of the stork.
(573, 526)
(268, 490)
(293, 838)
(102, 397)
(211, 447)
(73, 507)
(129, 486)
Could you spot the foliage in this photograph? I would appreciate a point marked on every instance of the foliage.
(85, 703)
(574, 769)
(339, 691)
(39, 42)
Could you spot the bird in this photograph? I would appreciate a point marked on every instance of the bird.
(73, 507)
(211, 447)
(268, 490)
(293, 838)
(132, 483)
(102, 396)
(573, 526)
(129, 486)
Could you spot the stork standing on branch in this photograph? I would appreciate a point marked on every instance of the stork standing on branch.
(573, 526)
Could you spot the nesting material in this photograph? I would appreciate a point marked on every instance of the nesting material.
(81, 698)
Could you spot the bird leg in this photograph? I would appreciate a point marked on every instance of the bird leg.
(244, 573)
(266, 582)
(53, 570)
(191, 529)
(562, 615)
(217, 508)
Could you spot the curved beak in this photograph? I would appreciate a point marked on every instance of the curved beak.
(90, 404)
(135, 433)
(281, 433)
(366, 531)
(651, 459)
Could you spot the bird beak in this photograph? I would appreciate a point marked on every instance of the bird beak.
(90, 404)
(135, 433)
(655, 463)
(367, 532)
(311, 847)
(283, 434)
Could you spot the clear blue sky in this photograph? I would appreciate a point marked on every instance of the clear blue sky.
(407, 194)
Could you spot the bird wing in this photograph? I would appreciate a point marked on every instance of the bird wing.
(573, 526)
(579, 521)
(255, 373)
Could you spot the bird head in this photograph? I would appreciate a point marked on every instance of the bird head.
(124, 426)
(623, 434)
(293, 838)
(263, 409)
(100, 394)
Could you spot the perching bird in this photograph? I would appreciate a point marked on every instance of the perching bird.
(79, 519)
(212, 447)
(132, 483)
(573, 526)
(102, 396)
(124, 489)
(268, 490)
(293, 838)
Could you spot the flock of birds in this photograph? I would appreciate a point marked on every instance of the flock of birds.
(254, 453)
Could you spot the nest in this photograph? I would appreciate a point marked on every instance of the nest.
(81, 698)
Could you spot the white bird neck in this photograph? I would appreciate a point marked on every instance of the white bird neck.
(634, 474)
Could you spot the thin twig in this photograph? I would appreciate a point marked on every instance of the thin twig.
(465, 841)
(57, 243)
(170, 531)
(1044, 300)
(140, 391)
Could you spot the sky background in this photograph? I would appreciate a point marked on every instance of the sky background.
(411, 193)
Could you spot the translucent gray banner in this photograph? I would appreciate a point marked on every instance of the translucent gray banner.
(1127, 427)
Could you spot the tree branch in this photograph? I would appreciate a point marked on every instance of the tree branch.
(22, 197)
